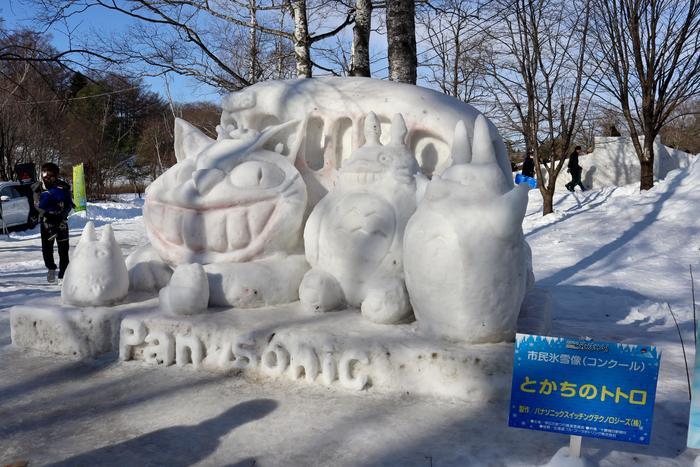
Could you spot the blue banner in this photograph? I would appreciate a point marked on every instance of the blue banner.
(585, 388)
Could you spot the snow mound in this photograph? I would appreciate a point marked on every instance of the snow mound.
(614, 162)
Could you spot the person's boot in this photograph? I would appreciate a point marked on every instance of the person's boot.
(51, 276)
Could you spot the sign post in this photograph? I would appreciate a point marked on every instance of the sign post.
(575, 446)
(694, 421)
(584, 388)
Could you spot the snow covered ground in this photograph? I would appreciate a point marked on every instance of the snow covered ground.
(612, 259)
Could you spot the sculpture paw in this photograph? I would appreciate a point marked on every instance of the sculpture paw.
(387, 302)
(187, 293)
(320, 292)
(147, 271)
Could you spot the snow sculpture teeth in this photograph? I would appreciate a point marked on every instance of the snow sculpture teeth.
(97, 273)
(218, 230)
(353, 236)
(466, 261)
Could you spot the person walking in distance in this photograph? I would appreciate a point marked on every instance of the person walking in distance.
(53, 200)
(575, 170)
(528, 166)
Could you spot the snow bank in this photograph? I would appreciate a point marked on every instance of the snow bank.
(614, 162)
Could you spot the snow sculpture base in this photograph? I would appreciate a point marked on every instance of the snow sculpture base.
(338, 349)
(48, 326)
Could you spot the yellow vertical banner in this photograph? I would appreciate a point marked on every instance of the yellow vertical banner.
(79, 197)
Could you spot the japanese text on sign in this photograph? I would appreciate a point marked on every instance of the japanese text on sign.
(585, 388)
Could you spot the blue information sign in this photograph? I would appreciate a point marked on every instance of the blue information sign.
(585, 388)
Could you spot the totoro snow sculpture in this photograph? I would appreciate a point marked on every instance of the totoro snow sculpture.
(97, 274)
(466, 261)
(353, 237)
(236, 204)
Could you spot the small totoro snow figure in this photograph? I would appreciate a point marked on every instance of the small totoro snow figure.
(466, 261)
(353, 237)
(96, 274)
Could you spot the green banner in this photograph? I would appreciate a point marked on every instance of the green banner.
(79, 198)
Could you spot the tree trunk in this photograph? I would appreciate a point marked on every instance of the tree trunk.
(253, 46)
(401, 34)
(455, 70)
(360, 38)
(547, 202)
(279, 48)
(302, 44)
(647, 164)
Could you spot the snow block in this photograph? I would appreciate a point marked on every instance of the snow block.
(48, 326)
(340, 350)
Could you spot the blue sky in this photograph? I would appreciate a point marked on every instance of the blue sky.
(17, 14)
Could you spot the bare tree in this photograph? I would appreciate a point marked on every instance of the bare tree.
(651, 50)
(539, 75)
(401, 39)
(31, 99)
(682, 130)
(457, 49)
(202, 39)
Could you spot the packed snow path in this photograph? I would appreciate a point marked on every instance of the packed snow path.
(612, 259)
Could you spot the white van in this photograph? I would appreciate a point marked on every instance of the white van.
(14, 209)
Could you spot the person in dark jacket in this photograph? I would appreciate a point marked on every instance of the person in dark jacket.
(528, 166)
(53, 200)
(575, 170)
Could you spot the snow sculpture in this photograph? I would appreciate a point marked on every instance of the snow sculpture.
(467, 264)
(147, 271)
(97, 272)
(187, 293)
(354, 235)
(235, 205)
(333, 111)
(226, 201)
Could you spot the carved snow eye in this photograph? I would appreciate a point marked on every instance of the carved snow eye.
(256, 174)
(384, 159)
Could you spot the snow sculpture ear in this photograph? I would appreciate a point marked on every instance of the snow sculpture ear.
(189, 140)
(108, 235)
(281, 139)
(372, 130)
(398, 131)
(88, 233)
(483, 151)
(461, 150)
(507, 218)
